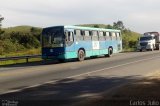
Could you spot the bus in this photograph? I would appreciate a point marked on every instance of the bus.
(76, 42)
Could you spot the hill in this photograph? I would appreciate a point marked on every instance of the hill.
(24, 29)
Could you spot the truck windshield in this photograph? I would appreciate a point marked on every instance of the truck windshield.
(145, 38)
(52, 38)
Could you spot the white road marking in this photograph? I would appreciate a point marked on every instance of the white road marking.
(74, 76)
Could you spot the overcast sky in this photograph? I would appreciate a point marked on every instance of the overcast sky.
(137, 15)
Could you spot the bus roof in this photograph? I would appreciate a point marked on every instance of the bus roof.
(85, 28)
(90, 28)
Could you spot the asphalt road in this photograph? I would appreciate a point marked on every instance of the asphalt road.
(75, 80)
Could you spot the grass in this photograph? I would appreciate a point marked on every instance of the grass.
(9, 62)
(129, 50)
(21, 53)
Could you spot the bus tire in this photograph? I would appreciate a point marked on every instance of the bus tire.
(110, 52)
(81, 55)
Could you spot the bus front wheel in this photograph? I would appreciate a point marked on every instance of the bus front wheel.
(81, 55)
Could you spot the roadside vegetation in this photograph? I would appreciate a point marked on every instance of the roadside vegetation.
(20, 39)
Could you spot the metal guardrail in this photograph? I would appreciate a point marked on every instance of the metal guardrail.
(20, 57)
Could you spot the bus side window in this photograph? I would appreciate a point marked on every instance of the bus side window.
(87, 35)
(90, 33)
(101, 36)
(75, 33)
(113, 35)
(66, 36)
(79, 37)
(82, 35)
(110, 35)
(95, 36)
(107, 36)
(104, 35)
(120, 37)
(117, 36)
(69, 36)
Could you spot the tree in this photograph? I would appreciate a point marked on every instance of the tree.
(118, 25)
(109, 27)
(36, 32)
(1, 19)
(96, 26)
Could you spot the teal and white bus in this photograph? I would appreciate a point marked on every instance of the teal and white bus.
(68, 42)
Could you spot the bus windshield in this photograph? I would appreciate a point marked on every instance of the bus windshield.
(54, 38)
(145, 38)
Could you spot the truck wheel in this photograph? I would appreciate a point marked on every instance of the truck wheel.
(81, 55)
(159, 47)
(140, 50)
(152, 49)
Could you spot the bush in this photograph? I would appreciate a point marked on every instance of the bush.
(9, 46)
(26, 39)
(1, 47)
(129, 39)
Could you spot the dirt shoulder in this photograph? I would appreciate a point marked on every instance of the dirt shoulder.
(139, 93)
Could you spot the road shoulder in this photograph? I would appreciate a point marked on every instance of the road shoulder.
(142, 92)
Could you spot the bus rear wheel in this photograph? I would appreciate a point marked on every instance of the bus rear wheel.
(81, 55)
(110, 52)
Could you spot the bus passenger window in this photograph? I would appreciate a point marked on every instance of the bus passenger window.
(90, 33)
(79, 37)
(101, 36)
(74, 32)
(87, 35)
(69, 36)
(110, 35)
(104, 33)
(107, 36)
(95, 36)
(119, 35)
(77, 32)
(114, 35)
(82, 33)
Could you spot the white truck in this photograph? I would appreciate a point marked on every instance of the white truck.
(149, 41)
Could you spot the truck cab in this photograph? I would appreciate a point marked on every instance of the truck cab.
(146, 42)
